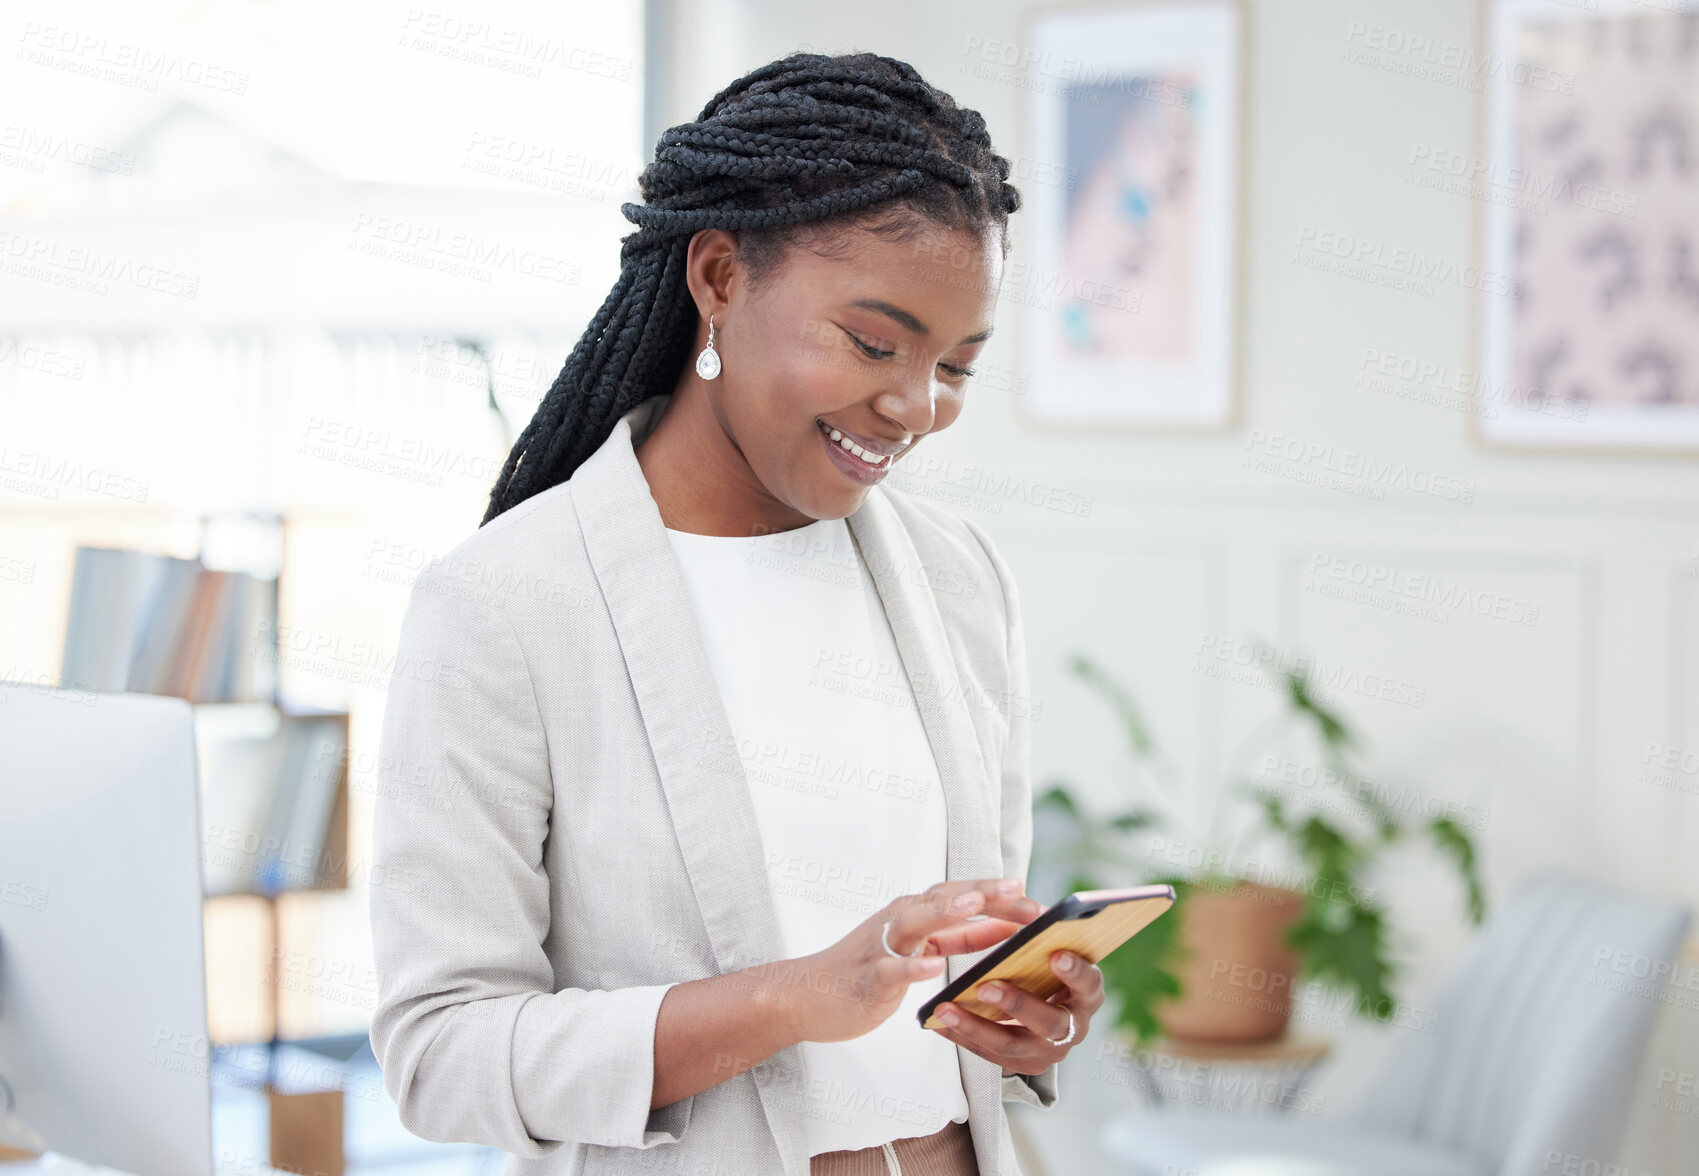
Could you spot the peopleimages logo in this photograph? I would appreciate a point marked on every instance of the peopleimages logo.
(44, 475)
(90, 270)
(1479, 177)
(511, 49)
(1402, 585)
(1078, 72)
(1321, 781)
(1350, 250)
(460, 254)
(1569, 1164)
(32, 358)
(1430, 382)
(125, 62)
(30, 149)
(1252, 664)
(1362, 473)
(1449, 62)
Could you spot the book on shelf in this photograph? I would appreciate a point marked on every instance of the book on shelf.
(273, 806)
(156, 624)
(270, 784)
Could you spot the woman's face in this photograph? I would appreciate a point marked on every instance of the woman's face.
(874, 341)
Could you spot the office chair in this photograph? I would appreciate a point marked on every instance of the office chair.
(1536, 1044)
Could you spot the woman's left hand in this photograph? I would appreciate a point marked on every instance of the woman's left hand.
(1022, 1043)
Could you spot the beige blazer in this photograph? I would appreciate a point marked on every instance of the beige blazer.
(564, 830)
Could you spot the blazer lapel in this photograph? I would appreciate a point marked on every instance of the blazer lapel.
(683, 713)
(972, 794)
(690, 734)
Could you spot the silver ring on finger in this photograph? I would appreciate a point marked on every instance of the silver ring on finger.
(885, 931)
(1070, 1036)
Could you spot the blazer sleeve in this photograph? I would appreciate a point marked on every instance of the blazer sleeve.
(1036, 1090)
(475, 1043)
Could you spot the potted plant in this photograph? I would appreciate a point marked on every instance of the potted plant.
(1222, 966)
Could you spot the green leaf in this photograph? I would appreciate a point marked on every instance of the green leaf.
(1340, 936)
(1360, 793)
(1325, 849)
(1449, 836)
(1119, 699)
(1344, 945)
(1056, 796)
(1273, 808)
(1334, 733)
(1140, 971)
(1135, 819)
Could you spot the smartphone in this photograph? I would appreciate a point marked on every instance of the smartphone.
(1090, 923)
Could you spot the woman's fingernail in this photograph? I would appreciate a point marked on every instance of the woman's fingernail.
(994, 995)
(947, 1015)
(1066, 963)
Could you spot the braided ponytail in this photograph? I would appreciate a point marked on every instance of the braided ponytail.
(856, 138)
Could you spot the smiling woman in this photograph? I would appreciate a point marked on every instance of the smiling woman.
(700, 814)
(819, 211)
(824, 385)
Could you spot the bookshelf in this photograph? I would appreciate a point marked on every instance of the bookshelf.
(274, 776)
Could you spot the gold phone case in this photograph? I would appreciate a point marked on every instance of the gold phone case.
(1124, 913)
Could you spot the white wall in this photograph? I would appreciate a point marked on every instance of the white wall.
(1546, 725)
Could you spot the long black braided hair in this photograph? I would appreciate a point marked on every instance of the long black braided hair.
(806, 138)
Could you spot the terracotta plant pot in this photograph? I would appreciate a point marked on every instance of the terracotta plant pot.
(1236, 972)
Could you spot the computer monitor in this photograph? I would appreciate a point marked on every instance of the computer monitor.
(103, 1029)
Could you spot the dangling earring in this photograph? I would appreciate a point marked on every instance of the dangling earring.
(708, 360)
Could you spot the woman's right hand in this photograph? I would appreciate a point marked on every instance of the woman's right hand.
(851, 987)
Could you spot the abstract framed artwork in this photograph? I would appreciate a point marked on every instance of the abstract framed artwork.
(1130, 152)
(1589, 187)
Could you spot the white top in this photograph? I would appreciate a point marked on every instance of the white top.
(846, 792)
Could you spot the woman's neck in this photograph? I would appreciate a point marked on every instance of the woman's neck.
(699, 479)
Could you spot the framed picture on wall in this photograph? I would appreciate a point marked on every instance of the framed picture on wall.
(1129, 167)
(1589, 188)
